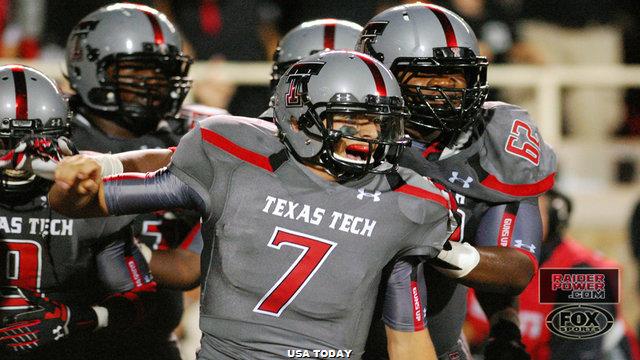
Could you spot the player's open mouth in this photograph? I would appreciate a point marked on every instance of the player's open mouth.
(355, 153)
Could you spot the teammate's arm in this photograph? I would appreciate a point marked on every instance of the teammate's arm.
(178, 268)
(144, 160)
(504, 258)
(409, 345)
(125, 275)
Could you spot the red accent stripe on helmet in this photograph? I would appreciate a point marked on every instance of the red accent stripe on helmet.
(330, 36)
(534, 189)
(422, 193)
(381, 88)
(241, 153)
(20, 85)
(157, 30)
(449, 34)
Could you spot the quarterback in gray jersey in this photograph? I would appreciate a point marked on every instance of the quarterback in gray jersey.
(489, 155)
(299, 222)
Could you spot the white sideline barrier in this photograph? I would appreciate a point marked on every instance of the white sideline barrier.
(546, 81)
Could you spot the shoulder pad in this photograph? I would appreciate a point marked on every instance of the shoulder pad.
(515, 159)
(250, 140)
(420, 191)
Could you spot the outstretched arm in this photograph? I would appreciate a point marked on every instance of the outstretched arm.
(79, 191)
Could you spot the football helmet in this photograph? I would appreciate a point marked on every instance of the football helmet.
(31, 103)
(125, 63)
(341, 110)
(421, 40)
(309, 38)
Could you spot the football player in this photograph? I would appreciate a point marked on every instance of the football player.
(125, 64)
(489, 154)
(306, 39)
(298, 221)
(61, 279)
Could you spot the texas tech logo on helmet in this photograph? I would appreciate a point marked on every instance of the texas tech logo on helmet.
(298, 78)
(368, 37)
(80, 32)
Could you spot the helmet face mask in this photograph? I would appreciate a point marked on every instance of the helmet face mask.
(349, 133)
(444, 45)
(35, 106)
(145, 87)
(356, 137)
(125, 63)
(449, 109)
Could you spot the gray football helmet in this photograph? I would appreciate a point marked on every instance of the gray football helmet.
(125, 63)
(320, 105)
(419, 39)
(31, 104)
(309, 38)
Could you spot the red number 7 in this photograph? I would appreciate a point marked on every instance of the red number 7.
(314, 252)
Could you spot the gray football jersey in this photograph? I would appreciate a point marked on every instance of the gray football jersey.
(292, 262)
(509, 161)
(44, 251)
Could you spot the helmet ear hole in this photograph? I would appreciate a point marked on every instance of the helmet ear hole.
(305, 121)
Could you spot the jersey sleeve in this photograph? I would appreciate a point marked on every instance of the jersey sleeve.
(516, 225)
(133, 193)
(191, 164)
(514, 161)
(122, 267)
(405, 290)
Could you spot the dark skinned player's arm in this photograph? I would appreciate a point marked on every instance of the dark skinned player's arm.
(504, 258)
(178, 268)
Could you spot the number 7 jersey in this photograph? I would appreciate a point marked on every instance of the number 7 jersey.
(293, 262)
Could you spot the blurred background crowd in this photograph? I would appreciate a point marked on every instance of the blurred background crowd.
(598, 127)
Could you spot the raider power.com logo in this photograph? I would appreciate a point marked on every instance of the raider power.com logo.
(590, 296)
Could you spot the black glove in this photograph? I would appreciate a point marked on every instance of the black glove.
(46, 322)
(505, 343)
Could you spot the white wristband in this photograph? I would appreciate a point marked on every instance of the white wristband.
(103, 317)
(462, 258)
(110, 164)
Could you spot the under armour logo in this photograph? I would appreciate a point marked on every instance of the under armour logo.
(519, 244)
(362, 193)
(58, 333)
(342, 97)
(465, 183)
